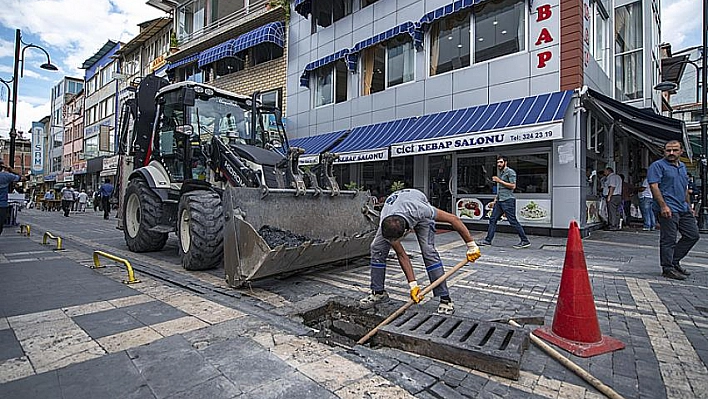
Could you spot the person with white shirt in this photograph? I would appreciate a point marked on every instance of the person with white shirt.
(645, 201)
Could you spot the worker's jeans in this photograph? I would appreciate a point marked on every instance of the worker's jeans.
(507, 207)
(670, 251)
(647, 213)
(425, 233)
(3, 216)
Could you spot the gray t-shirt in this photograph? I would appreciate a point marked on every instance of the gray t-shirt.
(613, 180)
(411, 204)
(508, 175)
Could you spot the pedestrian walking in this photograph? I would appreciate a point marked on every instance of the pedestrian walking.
(645, 202)
(106, 192)
(613, 198)
(405, 211)
(505, 203)
(67, 199)
(97, 200)
(8, 176)
(83, 199)
(48, 196)
(668, 181)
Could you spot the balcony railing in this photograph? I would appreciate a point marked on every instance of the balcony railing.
(250, 8)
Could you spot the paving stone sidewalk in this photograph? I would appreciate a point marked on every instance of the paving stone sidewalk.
(663, 322)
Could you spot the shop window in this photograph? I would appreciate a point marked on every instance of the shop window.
(629, 64)
(474, 174)
(499, 29)
(325, 13)
(191, 73)
(331, 84)
(387, 65)
(224, 8)
(227, 66)
(191, 18)
(600, 36)
(450, 43)
(265, 52)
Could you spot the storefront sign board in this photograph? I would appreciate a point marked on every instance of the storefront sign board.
(37, 148)
(528, 211)
(496, 138)
(380, 154)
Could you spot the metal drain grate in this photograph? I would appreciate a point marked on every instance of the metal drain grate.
(494, 348)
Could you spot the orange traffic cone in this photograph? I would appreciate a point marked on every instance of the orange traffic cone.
(575, 326)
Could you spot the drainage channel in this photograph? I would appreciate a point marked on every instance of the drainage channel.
(495, 348)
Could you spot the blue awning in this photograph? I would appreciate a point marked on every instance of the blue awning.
(303, 7)
(371, 142)
(183, 61)
(441, 132)
(406, 27)
(269, 33)
(439, 13)
(305, 77)
(315, 145)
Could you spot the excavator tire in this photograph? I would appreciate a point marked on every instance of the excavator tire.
(200, 229)
(141, 212)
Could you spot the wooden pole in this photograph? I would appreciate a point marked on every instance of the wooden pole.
(411, 302)
(599, 385)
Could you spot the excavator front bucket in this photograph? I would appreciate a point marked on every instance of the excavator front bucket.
(312, 230)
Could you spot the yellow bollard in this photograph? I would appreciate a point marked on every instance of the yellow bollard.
(97, 264)
(50, 235)
(22, 229)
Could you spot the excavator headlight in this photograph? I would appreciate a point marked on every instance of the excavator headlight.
(198, 89)
(209, 92)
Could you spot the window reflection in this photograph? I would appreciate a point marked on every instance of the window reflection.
(474, 174)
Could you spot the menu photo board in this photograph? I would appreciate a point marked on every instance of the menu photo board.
(528, 211)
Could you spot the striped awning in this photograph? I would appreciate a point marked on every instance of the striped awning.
(269, 33)
(439, 13)
(305, 77)
(183, 61)
(460, 129)
(315, 145)
(303, 7)
(404, 28)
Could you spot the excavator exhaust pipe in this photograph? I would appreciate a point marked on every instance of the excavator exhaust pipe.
(338, 228)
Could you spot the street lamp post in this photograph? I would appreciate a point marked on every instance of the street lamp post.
(19, 58)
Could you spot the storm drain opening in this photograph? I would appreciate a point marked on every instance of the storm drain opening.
(342, 322)
(495, 348)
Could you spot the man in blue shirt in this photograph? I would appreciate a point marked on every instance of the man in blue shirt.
(505, 203)
(106, 191)
(7, 177)
(668, 181)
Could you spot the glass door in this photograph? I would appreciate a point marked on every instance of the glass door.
(439, 176)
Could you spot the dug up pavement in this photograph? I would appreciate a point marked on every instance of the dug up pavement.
(70, 331)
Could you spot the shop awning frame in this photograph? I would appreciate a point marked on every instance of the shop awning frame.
(273, 32)
(184, 61)
(530, 112)
(305, 77)
(315, 145)
(652, 128)
(407, 27)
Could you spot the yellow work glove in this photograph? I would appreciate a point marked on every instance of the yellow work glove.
(473, 252)
(415, 290)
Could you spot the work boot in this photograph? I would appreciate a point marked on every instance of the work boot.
(682, 270)
(673, 274)
(372, 299)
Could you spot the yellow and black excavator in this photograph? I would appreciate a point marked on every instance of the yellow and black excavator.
(216, 168)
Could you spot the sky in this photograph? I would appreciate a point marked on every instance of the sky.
(73, 30)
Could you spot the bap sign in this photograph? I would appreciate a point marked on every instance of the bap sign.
(545, 33)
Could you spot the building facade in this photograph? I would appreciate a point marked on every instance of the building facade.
(61, 94)
(237, 45)
(428, 92)
(74, 159)
(100, 108)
